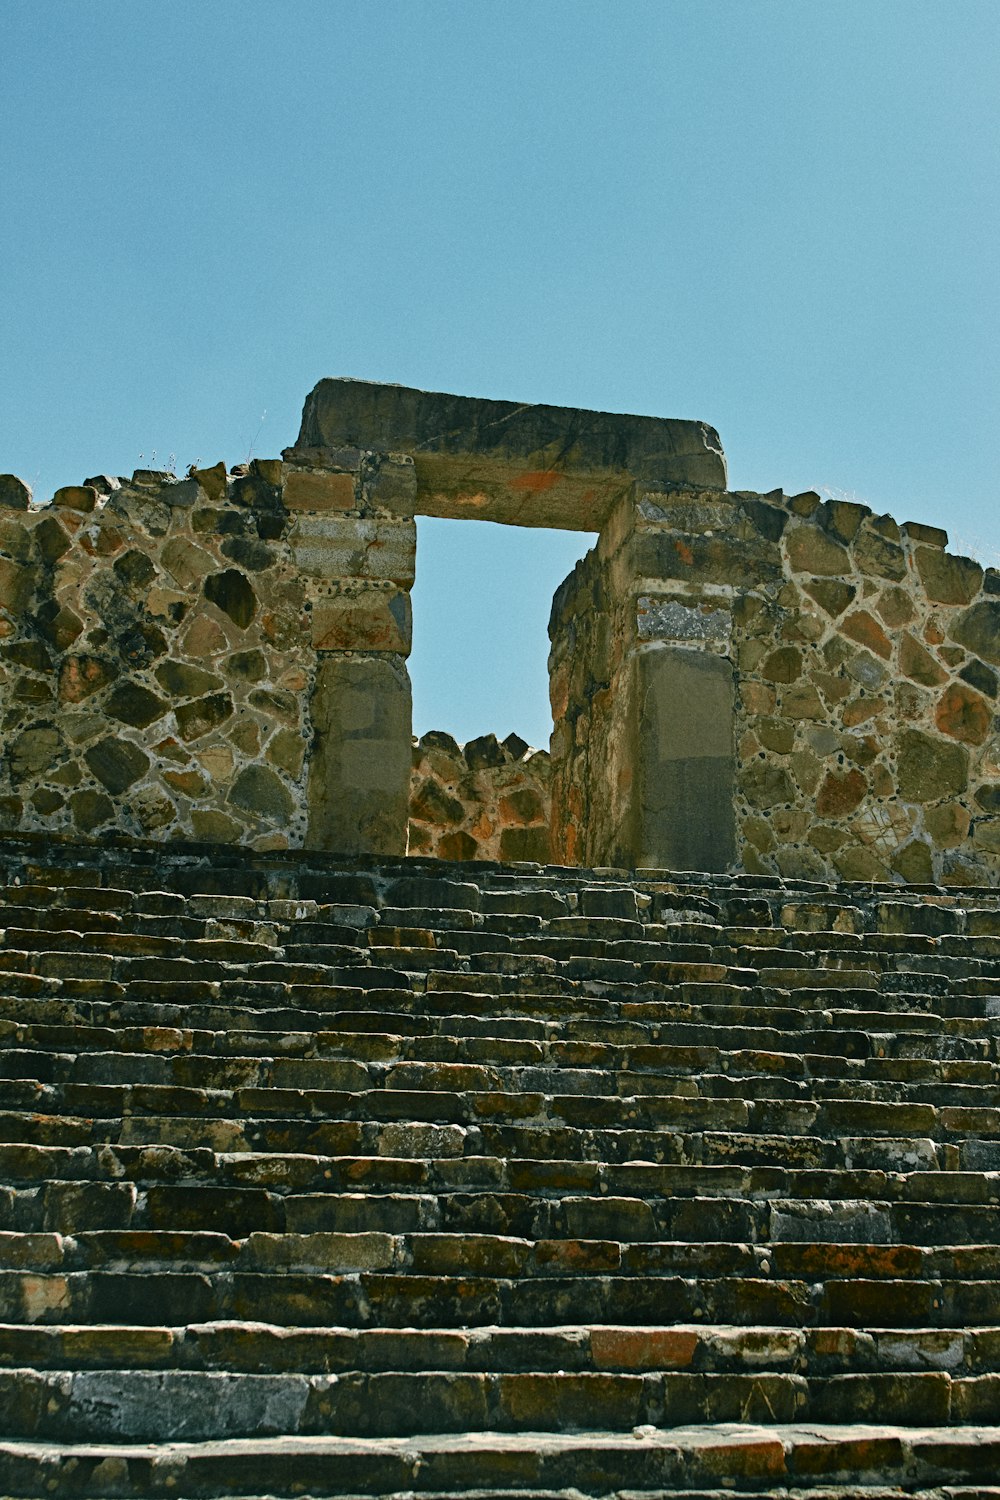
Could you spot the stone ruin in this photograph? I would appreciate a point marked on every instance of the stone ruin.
(653, 1150)
(773, 684)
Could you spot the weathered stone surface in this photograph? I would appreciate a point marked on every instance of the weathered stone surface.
(332, 546)
(895, 606)
(862, 627)
(188, 563)
(840, 793)
(978, 628)
(841, 518)
(878, 557)
(928, 769)
(14, 493)
(483, 752)
(461, 808)
(359, 776)
(917, 663)
(670, 620)
(203, 715)
(812, 551)
(212, 481)
(117, 764)
(90, 810)
(783, 665)
(530, 465)
(78, 497)
(182, 679)
(525, 844)
(916, 531)
(34, 750)
(685, 755)
(307, 489)
(262, 793)
(948, 825)
(963, 714)
(947, 579)
(17, 584)
(215, 826)
(358, 619)
(131, 703)
(430, 803)
(232, 592)
(831, 594)
(978, 675)
(244, 666)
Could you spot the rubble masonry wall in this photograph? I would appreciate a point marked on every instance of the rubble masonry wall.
(864, 664)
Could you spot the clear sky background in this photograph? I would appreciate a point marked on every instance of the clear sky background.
(777, 216)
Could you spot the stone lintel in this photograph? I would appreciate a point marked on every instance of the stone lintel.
(506, 461)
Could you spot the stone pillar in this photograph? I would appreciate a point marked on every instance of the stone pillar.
(642, 686)
(359, 774)
(685, 761)
(354, 543)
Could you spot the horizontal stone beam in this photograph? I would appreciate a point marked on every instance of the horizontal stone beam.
(506, 461)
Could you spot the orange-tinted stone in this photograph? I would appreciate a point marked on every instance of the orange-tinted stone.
(643, 1348)
(460, 845)
(963, 714)
(82, 675)
(866, 630)
(841, 793)
(862, 709)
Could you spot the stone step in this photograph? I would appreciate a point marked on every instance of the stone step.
(654, 1069)
(337, 1137)
(724, 1349)
(801, 1458)
(253, 1005)
(448, 1043)
(390, 1298)
(672, 1022)
(181, 1228)
(914, 1172)
(826, 1118)
(190, 1405)
(121, 953)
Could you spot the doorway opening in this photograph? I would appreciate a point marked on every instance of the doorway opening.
(481, 714)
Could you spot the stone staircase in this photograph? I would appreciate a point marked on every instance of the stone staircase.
(337, 1179)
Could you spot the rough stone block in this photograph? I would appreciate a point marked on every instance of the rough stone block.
(312, 489)
(79, 497)
(978, 628)
(14, 493)
(355, 618)
(333, 546)
(685, 761)
(947, 579)
(359, 771)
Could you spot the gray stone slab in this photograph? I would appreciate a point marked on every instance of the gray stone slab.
(359, 772)
(685, 761)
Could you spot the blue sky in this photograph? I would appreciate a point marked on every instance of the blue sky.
(777, 216)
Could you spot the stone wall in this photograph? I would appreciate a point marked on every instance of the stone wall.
(487, 799)
(864, 662)
(592, 698)
(776, 684)
(173, 651)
